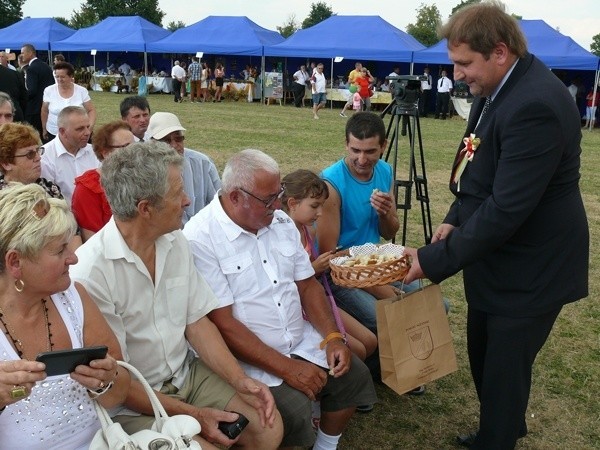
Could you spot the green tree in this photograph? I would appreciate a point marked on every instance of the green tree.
(10, 12)
(463, 3)
(289, 27)
(62, 20)
(425, 28)
(85, 17)
(595, 46)
(148, 9)
(318, 13)
(172, 26)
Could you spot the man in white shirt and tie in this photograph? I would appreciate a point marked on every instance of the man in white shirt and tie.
(444, 87)
(426, 86)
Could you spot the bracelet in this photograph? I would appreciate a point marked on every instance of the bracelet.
(331, 336)
(99, 392)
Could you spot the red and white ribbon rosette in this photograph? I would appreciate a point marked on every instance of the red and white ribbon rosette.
(466, 154)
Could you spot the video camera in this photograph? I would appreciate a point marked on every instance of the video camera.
(406, 89)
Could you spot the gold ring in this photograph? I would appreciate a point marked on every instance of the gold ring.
(18, 392)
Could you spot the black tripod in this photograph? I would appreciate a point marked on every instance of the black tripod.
(408, 115)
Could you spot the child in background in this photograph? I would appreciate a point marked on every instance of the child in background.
(357, 102)
(303, 201)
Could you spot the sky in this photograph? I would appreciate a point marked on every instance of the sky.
(579, 19)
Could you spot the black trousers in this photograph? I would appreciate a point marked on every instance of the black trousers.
(501, 354)
(298, 90)
(424, 103)
(177, 89)
(441, 104)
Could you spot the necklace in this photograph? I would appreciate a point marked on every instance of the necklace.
(10, 332)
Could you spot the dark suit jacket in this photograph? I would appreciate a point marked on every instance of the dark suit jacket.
(521, 233)
(12, 83)
(39, 77)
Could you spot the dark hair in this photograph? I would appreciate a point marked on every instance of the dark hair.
(102, 135)
(59, 57)
(63, 65)
(135, 101)
(482, 26)
(302, 184)
(365, 125)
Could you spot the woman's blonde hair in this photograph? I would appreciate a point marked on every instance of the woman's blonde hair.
(29, 220)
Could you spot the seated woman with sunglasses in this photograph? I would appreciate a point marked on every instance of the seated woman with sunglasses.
(20, 157)
(89, 204)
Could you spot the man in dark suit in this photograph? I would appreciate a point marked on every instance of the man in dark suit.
(518, 224)
(12, 83)
(38, 76)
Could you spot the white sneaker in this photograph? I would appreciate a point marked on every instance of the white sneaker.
(343, 115)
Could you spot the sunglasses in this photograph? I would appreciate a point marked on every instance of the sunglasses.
(269, 201)
(31, 154)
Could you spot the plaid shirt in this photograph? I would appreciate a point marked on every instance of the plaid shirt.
(194, 71)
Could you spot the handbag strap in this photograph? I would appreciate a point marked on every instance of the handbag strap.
(160, 415)
(159, 411)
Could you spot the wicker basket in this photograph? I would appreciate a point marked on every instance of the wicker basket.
(371, 275)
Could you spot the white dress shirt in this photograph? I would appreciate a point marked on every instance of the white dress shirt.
(256, 275)
(444, 85)
(62, 167)
(148, 318)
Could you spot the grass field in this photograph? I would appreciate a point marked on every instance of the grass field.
(564, 410)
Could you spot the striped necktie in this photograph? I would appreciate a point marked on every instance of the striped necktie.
(486, 106)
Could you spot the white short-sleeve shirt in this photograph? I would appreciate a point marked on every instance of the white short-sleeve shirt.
(149, 318)
(256, 273)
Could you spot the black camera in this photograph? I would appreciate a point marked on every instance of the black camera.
(406, 89)
(233, 429)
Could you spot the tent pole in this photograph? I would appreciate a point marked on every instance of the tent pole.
(331, 85)
(262, 77)
(596, 81)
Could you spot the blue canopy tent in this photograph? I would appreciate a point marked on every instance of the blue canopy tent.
(338, 36)
(218, 35)
(556, 50)
(39, 32)
(122, 33)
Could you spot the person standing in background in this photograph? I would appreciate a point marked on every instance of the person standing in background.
(37, 78)
(442, 101)
(178, 75)
(426, 86)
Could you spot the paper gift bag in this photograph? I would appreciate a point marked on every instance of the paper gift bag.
(415, 344)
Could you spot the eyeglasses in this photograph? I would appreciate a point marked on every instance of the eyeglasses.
(31, 154)
(269, 201)
(178, 139)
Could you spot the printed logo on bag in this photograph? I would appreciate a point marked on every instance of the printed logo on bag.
(421, 343)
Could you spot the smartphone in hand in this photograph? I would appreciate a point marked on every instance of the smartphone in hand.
(233, 429)
(61, 362)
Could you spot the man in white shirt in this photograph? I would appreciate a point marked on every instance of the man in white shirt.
(426, 86)
(301, 77)
(200, 176)
(140, 272)
(251, 255)
(68, 155)
(319, 90)
(178, 75)
(442, 101)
